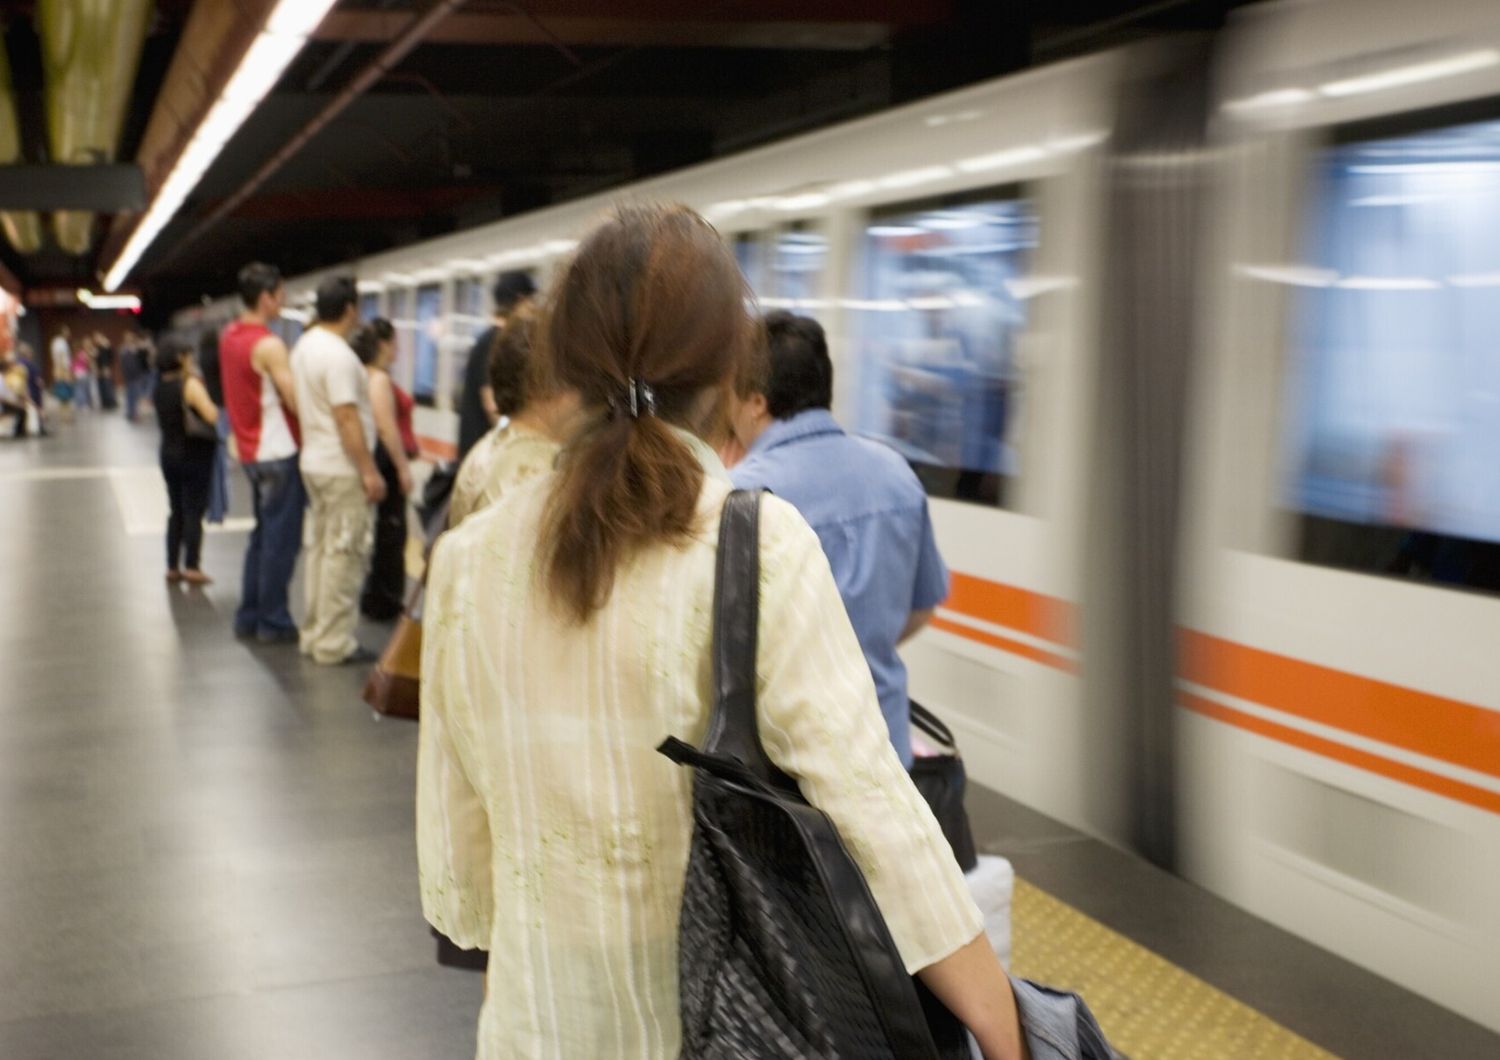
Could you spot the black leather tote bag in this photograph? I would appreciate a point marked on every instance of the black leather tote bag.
(783, 951)
(942, 780)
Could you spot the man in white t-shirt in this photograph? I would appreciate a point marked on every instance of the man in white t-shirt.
(338, 469)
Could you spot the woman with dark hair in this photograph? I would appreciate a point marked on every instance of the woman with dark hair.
(189, 441)
(568, 631)
(533, 415)
(385, 586)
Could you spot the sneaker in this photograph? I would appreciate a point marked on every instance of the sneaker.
(278, 636)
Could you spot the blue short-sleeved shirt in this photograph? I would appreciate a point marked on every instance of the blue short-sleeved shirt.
(870, 513)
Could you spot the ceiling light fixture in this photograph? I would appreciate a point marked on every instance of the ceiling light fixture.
(286, 31)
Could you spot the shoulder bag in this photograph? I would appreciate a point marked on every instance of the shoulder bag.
(784, 952)
(943, 781)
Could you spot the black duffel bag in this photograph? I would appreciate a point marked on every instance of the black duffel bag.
(943, 782)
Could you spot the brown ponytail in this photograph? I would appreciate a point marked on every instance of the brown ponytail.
(652, 297)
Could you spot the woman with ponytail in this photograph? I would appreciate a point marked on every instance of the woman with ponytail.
(568, 632)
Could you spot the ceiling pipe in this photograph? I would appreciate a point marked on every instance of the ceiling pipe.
(91, 50)
(22, 227)
(397, 50)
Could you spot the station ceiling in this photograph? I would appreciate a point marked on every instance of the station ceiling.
(505, 107)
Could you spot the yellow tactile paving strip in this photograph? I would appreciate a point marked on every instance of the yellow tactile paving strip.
(1148, 1007)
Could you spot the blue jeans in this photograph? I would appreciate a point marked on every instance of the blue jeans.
(274, 544)
(135, 392)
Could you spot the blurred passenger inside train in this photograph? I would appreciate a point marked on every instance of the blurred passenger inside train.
(568, 630)
(860, 497)
(385, 586)
(260, 397)
(534, 417)
(338, 469)
(477, 411)
(189, 443)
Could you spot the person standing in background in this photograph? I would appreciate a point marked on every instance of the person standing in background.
(135, 364)
(186, 459)
(35, 389)
(385, 588)
(208, 365)
(339, 472)
(861, 498)
(477, 412)
(104, 367)
(83, 375)
(61, 353)
(260, 397)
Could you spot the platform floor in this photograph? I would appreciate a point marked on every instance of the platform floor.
(206, 846)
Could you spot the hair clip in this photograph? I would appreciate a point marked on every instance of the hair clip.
(641, 399)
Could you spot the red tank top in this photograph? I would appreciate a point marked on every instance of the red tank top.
(263, 429)
(404, 405)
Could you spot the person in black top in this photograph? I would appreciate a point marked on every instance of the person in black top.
(104, 366)
(477, 412)
(187, 457)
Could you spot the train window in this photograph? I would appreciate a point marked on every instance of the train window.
(425, 348)
(797, 267)
(406, 328)
(468, 322)
(939, 303)
(1394, 378)
(748, 252)
(369, 305)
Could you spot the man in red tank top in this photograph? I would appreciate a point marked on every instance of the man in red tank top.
(261, 399)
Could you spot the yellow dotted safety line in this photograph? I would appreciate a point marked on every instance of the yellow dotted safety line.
(1148, 1007)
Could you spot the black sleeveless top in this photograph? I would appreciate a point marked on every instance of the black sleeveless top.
(171, 412)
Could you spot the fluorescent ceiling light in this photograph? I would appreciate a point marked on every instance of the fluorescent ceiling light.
(1388, 283)
(399, 279)
(931, 302)
(726, 209)
(108, 301)
(1270, 100)
(1412, 74)
(559, 246)
(999, 159)
(912, 177)
(954, 222)
(877, 305)
(272, 51)
(895, 230)
(370, 286)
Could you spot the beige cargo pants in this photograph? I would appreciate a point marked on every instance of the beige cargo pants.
(337, 538)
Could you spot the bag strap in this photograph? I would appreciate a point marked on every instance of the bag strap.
(733, 730)
(932, 726)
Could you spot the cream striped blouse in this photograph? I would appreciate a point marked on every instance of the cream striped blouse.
(549, 829)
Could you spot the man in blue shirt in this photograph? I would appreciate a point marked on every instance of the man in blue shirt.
(864, 502)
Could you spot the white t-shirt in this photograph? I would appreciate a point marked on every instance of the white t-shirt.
(329, 374)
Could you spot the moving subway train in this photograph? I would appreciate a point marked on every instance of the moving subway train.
(1194, 348)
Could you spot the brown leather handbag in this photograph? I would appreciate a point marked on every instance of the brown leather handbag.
(394, 687)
